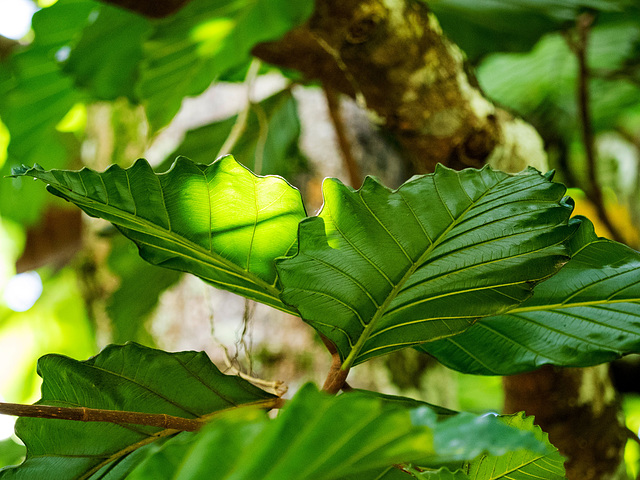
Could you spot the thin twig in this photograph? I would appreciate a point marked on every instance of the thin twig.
(263, 128)
(333, 102)
(277, 387)
(161, 420)
(579, 48)
(83, 414)
(337, 376)
(241, 121)
(335, 55)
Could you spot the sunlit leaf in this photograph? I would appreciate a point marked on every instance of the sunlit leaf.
(588, 313)
(129, 378)
(219, 222)
(380, 270)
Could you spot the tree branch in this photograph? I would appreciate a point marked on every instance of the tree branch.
(83, 414)
(579, 48)
(392, 57)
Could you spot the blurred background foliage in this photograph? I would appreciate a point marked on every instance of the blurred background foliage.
(89, 84)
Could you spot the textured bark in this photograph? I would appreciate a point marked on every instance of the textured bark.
(580, 410)
(391, 56)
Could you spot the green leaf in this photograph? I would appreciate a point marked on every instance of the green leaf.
(105, 60)
(128, 378)
(315, 437)
(380, 270)
(219, 222)
(535, 84)
(204, 40)
(131, 303)
(439, 474)
(588, 313)
(497, 26)
(269, 141)
(521, 465)
(11, 452)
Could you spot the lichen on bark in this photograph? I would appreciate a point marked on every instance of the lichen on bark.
(391, 56)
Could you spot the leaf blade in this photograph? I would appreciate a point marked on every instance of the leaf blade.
(127, 378)
(588, 313)
(217, 222)
(374, 258)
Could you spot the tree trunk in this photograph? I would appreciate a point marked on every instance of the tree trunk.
(392, 57)
(580, 410)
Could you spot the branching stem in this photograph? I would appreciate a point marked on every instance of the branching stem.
(579, 47)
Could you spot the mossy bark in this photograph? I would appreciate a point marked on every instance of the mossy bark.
(391, 56)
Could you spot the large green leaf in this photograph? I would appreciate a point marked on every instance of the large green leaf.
(220, 222)
(380, 270)
(205, 39)
(588, 313)
(128, 378)
(315, 437)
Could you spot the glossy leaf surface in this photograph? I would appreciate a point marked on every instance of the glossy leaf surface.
(220, 222)
(588, 313)
(380, 270)
(128, 378)
(316, 436)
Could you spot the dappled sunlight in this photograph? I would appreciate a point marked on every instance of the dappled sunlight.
(210, 35)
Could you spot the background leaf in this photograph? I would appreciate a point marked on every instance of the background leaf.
(588, 313)
(221, 34)
(130, 378)
(515, 25)
(379, 270)
(220, 222)
(130, 305)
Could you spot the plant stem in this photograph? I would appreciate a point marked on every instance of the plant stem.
(333, 102)
(337, 376)
(241, 121)
(579, 48)
(84, 414)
